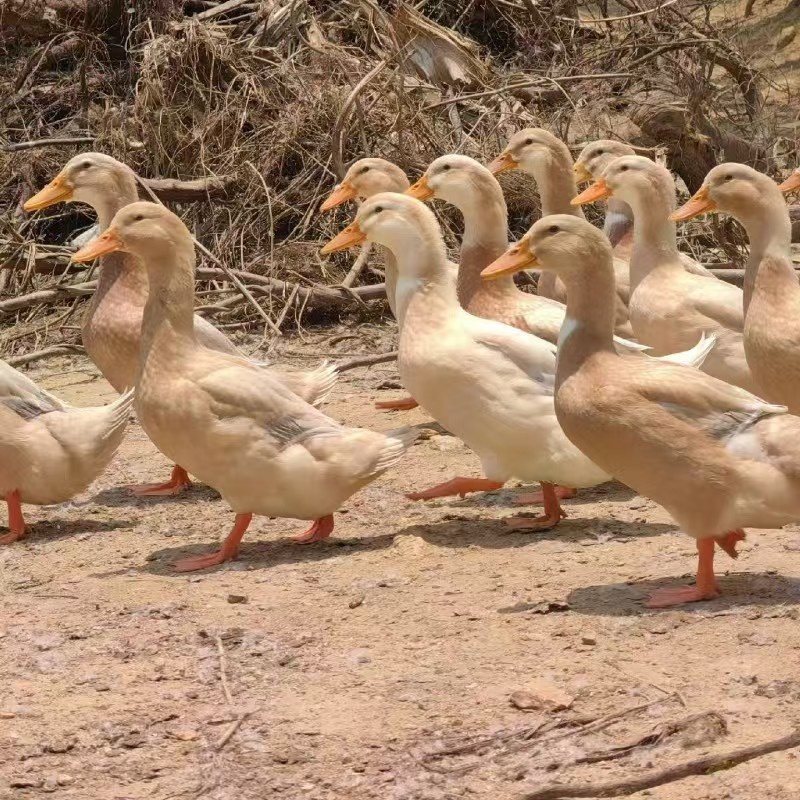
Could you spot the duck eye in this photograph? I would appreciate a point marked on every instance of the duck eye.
(599, 153)
(554, 229)
(729, 177)
(623, 168)
(86, 165)
(529, 141)
(445, 166)
(364, 169)
(138, 218)
(378, 209)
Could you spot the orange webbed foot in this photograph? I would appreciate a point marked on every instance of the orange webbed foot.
(537, 498)
(679, 595)
(729, 541)
(456, 486)
(178, 482)
(16, 522)
(403, 404)
(553, 513)
(321, 529)
(228, 551)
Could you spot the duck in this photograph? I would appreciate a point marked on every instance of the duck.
(544, 156)
(51, 451)
(231, 423)
(365, 178)
(771, 289)
(488, 383)
(669, 307)
(716, 457)
(618, 225)
(112, 323)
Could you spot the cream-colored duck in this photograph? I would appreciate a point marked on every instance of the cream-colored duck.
(716, 457)
(669, 307)
(486, 382)
(365, 178)
(233, 424)
(771, 289)
(544, 156)
(50, 451)
(618, 226)
(112, 324)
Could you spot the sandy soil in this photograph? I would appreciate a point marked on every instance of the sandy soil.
(351, 664)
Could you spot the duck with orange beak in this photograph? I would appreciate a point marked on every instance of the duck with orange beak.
(365, 178)
(669, 307)
(771, 289)
(487, 383)
(112, 324)
(232, 423)
(670, 432)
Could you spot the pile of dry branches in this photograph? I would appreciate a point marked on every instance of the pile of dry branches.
(244, 113)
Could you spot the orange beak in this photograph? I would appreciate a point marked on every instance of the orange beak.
(582, 174)
(504, 162)
(344, 240)
(421, 189)
(516, 258)
(341, 194)
(107, 242)
(699, 203)
(792, 183)
(57, 191)
(599, 190)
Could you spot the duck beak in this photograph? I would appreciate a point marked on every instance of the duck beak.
(599, 190)
(792, 183)
(582, 174)
(699, 203)
(516, 258)
(341, 194)
(58, 190)
(421, 190)
(108, 242)
(344, 240)
(504, 162)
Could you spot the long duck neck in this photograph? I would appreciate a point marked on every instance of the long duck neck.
(655, 244)
(588, 326)
(168, 322)
(426, 289)
(769, 266)
(119, 278)
(485, 239)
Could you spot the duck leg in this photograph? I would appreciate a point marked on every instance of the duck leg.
(704, 589)
(553, 513)
(16, 522)
(537, 498)
(321, 529)
(456, 486)
(729, 541)
(228, 551)
(403, 404)
(178, 482)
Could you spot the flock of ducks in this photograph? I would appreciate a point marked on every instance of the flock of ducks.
(632, 362)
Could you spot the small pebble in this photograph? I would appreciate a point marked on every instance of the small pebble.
(355, 602)
(237, 598)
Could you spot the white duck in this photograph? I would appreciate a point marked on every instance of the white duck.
(364, 178)
(488, 383)
(233, 424)
(112, 324)
(50, 451)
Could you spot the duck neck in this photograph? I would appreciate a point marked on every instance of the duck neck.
(426, 289)
(120, 274)
(655, 245)
(769, 265)
(485, 239)
(555, 180)
(168, 323)
(588, 326)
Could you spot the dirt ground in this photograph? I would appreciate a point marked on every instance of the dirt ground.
(352, 664)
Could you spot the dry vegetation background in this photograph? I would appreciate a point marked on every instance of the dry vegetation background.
(260, 106)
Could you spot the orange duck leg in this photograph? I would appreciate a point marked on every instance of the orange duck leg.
(553, 513)
(704, 589)
(537, 498)
(228, 551)
(456, 486)
(403, 404)
(16, 522)
(178, 482)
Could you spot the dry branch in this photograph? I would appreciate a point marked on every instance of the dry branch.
(699, 766)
